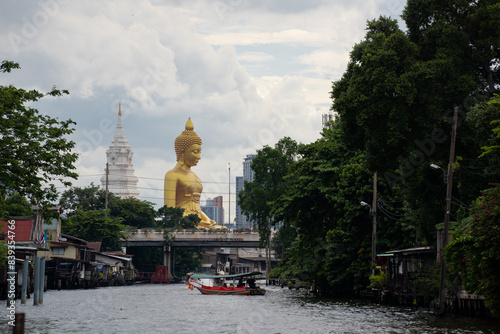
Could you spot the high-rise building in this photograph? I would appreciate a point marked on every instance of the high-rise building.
(218, 203)
(239, 218)
(121, 180)
(327, 120)
(247, 170)
(248, 175)
(214, 209)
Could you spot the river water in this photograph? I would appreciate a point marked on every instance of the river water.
(176, 309)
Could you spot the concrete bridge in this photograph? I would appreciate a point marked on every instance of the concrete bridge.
(151, 238)
(226, 239)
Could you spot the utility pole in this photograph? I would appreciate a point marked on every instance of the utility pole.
(374, 221)
(446, 227)
(107, 181)
(229, 197)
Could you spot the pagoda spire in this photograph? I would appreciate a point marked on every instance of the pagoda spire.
(121, 181)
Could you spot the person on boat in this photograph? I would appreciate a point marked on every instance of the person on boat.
(251, 283)
(182, 186)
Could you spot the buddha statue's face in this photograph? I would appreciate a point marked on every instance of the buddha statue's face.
(192, 155)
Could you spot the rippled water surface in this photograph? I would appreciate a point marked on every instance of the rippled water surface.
(176, 309)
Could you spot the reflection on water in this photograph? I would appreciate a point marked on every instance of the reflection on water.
(176, 309)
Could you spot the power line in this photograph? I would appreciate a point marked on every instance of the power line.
(463, 204)
(389, 214)
(152, 178)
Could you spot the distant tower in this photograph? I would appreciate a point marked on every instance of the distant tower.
(214, 210)
(238, 216)
(248, 174)
(121, 179)
(327, 120)
(218, 203)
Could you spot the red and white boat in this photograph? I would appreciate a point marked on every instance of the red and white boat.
(243, 284)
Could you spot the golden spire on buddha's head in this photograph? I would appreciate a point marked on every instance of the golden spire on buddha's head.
(187, 138)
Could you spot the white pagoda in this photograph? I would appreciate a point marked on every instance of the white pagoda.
(120, 175)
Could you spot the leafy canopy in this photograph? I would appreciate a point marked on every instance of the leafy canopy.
(35, 150)
(174, 218)
(135, 213)
(257, 197)
(96, 225)
(474, 254)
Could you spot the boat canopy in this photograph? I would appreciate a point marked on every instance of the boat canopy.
(253, 273)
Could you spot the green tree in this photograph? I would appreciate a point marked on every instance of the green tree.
(393, 99)
(190, 221)
(459, 41)
(173, 218)
(84, 199)
(463, 36)
(35, 150)
(135, 213)
(311, 203)
(378, 97)
(257, 197)
(4, 251)
(332, 248)
(474, 255)
(492, 148)
(187, 259)
(96, 225)
(17, 205)
(170, 216)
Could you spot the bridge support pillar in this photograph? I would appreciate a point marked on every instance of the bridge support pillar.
(168, 259)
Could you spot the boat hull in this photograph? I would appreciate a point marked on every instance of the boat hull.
(208, 290)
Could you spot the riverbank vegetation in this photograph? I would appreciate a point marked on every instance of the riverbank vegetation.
(392, 113)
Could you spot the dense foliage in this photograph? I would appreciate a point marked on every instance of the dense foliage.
(96, 225)
(172, 218)
(474, 254)
(393, 109)
(84, 199)
(35, 150)
(257, 197)
(134, 212)
(186, 260)
(331, 247)
(17, 205)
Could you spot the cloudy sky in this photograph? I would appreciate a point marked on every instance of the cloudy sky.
(247, 72)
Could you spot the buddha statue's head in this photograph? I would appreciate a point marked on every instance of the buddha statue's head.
(187, 138)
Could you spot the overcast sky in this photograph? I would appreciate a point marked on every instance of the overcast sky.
(247, 72)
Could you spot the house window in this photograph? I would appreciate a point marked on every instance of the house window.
(58, 251)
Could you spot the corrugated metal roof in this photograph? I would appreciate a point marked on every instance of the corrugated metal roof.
(22, 229)
(414, 250)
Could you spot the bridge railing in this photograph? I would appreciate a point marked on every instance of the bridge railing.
(193, 235)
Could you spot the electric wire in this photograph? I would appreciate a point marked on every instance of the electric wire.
(461, 203)
(389, 214)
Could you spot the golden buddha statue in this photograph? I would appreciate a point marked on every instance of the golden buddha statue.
(182, 186)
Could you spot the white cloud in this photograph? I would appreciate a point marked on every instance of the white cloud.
(247, 73)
